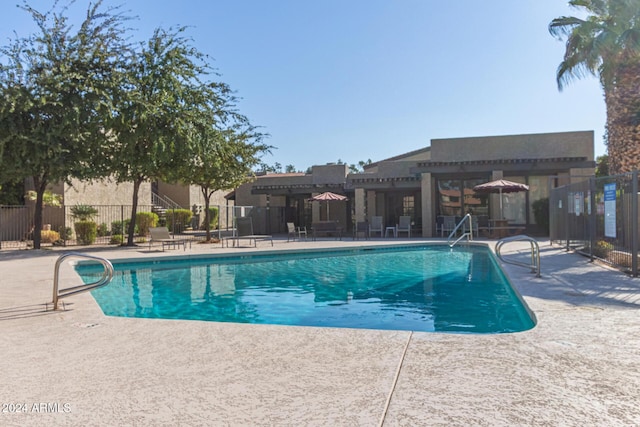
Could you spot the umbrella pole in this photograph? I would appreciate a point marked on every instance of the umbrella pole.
(501, 212)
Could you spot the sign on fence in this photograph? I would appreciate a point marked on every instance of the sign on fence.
(610, 210)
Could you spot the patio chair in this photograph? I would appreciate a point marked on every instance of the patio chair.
(376, 226)
(439, 224)
(484, 226)
(448, 225)
(361, 227)
(161, 235)
(404, 225)
(294, 232)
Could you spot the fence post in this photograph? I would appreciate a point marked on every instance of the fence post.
(565, 196)
(122, 222)
(592, 216)
(634, 224)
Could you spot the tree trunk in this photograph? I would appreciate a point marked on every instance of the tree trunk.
(134, 208)
(623, 119)
(41, 186)
(207, 222)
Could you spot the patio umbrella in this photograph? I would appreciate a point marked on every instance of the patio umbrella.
(500, 186)
(328, 197)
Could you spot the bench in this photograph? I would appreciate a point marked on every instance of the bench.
(327, 228)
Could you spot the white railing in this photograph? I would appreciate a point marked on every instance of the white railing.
(107, 275)
(535, 252)
(467, 234)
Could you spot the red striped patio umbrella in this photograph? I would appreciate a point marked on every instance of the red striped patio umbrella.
(328, 197)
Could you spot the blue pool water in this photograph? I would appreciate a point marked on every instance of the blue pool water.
(427, 288)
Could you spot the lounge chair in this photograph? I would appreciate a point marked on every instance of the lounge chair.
(404, 225)
(161, 235)
(244, 231)
(376, 226)
(295, 232)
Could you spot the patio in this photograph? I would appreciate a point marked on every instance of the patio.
(579, 365)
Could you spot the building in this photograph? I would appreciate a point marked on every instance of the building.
(432, 181)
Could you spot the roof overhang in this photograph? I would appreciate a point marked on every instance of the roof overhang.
(544, 165)
(301, 189)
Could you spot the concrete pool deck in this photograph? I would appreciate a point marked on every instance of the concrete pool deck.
(579, 366)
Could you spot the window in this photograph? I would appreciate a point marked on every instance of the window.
(408, 206)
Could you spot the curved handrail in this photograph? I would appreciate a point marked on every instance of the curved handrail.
(468, 235)
(107, 275)
(535, 252)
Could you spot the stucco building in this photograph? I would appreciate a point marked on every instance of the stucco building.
(431, 181)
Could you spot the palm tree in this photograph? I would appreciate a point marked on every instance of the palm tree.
(606, 44)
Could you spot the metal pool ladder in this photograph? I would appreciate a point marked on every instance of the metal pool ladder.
(107, 275)
(535, 252)
(467, 234)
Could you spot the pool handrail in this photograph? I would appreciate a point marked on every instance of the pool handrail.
(468, 235)
(107, 275)
(535, 252)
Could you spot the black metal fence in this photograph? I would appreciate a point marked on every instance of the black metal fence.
(60, 225)
(599, 218)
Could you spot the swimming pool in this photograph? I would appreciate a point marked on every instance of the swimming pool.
(423, 288)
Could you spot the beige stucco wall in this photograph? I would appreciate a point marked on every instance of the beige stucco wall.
(105, 193)
(245, 198)
(532, 146)
(329, 174)
(359, 207)
(178, 193)
(188, 195)
(395, 169)
(426, 207)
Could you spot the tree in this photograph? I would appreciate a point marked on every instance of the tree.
(266, 168)
(602, 165)
(55, 89)
(607, 45)
(223, 160)
(353, 168)
(155, 108)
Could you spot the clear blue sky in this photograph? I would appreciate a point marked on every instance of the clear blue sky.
(370, 79)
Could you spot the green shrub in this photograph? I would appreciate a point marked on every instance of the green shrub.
(116, 228)
(213, 219)
(117, 239)
(145, 220)
(178, 219)
(86, 232)
(83, 212)
(49, 236)
(541, 213)
(121, 227)
(103, 230)
(602, 248)
(66, 233)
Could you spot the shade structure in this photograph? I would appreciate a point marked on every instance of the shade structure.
(500, 186)
(328, 197)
